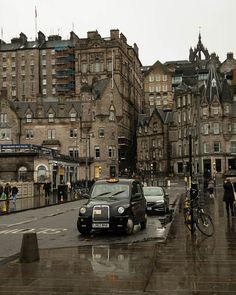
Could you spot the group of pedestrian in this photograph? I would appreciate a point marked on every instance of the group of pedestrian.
(229, 197)
(6, 193)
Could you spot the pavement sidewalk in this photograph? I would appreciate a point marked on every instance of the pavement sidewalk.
(182, 265)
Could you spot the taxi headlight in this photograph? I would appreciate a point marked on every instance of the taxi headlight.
(82, 210)
(121, 210)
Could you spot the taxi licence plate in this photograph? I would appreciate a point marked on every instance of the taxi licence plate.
(100, 225)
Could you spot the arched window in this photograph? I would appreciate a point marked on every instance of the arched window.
(22, 174)
(41, 173)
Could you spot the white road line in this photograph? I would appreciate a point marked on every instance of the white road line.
(22, 222)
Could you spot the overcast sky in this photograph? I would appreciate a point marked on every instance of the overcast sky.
(163, 29)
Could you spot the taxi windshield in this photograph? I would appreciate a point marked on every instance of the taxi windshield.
(110, 190)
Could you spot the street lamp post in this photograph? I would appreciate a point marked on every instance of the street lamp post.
(190, 181)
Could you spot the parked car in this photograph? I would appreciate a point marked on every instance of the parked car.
(113, 204)
(157, 199)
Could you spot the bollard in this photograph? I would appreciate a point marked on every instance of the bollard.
(29, 248)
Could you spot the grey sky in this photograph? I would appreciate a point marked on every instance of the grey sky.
(162, 29)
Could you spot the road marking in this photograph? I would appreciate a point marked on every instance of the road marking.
(47, 231)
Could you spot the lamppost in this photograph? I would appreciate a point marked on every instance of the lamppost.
(190, 181)
(87, 156)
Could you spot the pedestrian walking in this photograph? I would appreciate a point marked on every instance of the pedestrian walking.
(47, 191)
(7, 191)
(229, 198)
(210, 188)
(14, 192)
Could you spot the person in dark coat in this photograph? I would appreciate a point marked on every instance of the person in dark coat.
(229, 197)
(47, 191)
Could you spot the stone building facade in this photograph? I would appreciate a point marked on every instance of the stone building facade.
(79, 96)
(203, 110)
(158, 91)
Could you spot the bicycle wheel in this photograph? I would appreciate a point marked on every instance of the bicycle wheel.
(205, 224)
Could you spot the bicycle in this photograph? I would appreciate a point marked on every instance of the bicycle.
(201, 220)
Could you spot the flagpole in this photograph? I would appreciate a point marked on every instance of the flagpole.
(35, 19)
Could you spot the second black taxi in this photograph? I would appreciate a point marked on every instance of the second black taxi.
(113, 204)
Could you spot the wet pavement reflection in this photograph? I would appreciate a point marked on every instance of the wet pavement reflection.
(181, 265)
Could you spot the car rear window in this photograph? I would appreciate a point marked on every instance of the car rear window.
(153, 191)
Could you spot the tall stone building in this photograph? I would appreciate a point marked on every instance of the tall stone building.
(80, 97)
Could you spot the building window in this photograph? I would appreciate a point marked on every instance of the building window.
(151, 88)
(3, 118)
(205, 129)
(97, 152)
(73, 133)
(29, 134)
(51, 133)
(101, 132)
(151, 78)
(154, 127)
(84, 68)
(73, 117)
(204, 111)
(158, 88)
(109, 65)
(111, 152)
(215, 111)
(217, 147)
(216, 128)
(234, 128)
(164, 78)
(233, 147)
(179, 117)
(22, 174)
(74, 152)
(5, 134)
(164, 87)
(41, 173)
(151, 100)
(206, 147)
(158, 77)
(28, 118)
(51, 118)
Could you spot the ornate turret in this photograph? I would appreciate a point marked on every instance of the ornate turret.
(195, 56)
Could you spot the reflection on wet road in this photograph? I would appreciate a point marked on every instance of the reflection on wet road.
(181, 265)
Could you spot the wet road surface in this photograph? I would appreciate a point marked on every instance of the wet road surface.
(181, 265)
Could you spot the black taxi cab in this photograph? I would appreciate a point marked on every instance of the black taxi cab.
(113, 204)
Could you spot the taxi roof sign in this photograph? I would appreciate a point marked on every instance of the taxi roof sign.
(112, 180)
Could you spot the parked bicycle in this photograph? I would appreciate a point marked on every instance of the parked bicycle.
(201, 220)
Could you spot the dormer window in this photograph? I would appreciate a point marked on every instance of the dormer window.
(51, 117)
(215, 111)
(73, 117)
(28, 118)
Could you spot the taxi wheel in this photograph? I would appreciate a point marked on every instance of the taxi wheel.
(129, 228)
